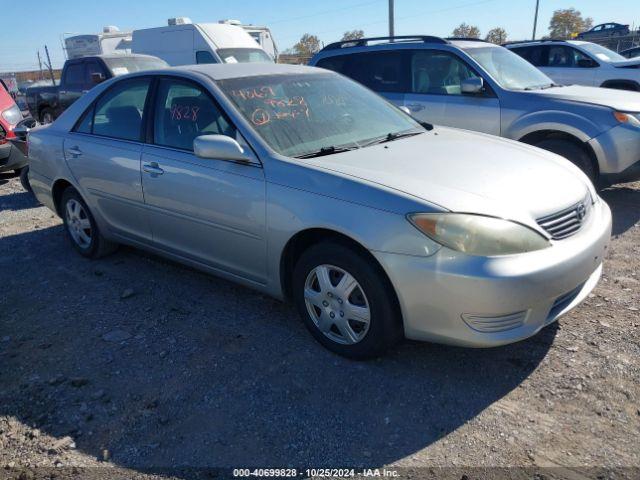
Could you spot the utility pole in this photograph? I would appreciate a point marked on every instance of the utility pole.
(535, 20)
(46, 50)
(40, 65)
(392, 32)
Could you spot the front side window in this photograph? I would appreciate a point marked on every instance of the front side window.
(205, 56)
(118, 113)
(438, 73)
(183, 112)
(300, 114)
(92, 69)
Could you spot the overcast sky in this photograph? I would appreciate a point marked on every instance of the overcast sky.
(41, 22)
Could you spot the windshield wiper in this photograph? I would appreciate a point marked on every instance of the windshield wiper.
(390, 137)
(330, 150)
(543, 87)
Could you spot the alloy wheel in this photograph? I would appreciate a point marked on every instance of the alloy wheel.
(78, 223)
(337, 304)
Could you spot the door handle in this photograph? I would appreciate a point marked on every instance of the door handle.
(415, 107)
(75, 152)
(153, 168)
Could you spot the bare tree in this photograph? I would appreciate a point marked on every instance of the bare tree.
(353, 35)
(466, 31)
(497, 35)
(568, 22)
(307, 46)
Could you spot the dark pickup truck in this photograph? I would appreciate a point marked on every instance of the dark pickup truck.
(79, 76)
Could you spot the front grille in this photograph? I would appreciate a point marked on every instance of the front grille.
(566, 222)
(494, 324)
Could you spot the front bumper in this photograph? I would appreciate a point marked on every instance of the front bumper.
(618, 154)
(11, 158)
(459, 299)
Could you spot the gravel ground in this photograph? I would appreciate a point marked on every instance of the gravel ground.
(133, 365)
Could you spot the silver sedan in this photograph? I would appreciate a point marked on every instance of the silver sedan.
(305, 185)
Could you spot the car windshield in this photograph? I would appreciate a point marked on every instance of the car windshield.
(602, 53)
(244, 55)
(508, 69)
(123, 65)
(298, 115)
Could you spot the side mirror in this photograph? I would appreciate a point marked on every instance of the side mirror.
(219, 147)
(586, 63)
(22, 129)
(97, 77)
(472, 85)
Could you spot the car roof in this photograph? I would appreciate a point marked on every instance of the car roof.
(530, 43)
(223, 71)
(471, 43)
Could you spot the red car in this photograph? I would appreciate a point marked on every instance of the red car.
(11, 158)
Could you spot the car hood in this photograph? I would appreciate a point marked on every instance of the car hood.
(632, 62)
(464, 171)
(623, 100)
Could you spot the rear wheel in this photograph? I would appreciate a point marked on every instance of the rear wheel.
(573, 153)
(345, 301)
(81, 227)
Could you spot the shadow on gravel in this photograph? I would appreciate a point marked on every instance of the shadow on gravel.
(166, 367)
(15, 200)
(625, 207)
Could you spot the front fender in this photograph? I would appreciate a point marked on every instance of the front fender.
(555, 120)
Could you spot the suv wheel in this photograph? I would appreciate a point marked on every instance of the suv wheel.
(345, 301)
(81, 227)
(573, 153)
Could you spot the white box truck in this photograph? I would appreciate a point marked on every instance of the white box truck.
(262, 35)
(184, 43)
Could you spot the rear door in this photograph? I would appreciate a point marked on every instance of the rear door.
(435, 93)
(205, 210)
(103, 152)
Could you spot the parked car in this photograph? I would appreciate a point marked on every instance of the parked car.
(78, 77)
(480, 86)
(186, 43)
(574, 62)
(631, 52)
(605, 30)
(303, 184)
(11, 158)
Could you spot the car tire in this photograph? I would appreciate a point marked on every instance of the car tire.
(360, 321)
(24, 178)
(573, 153)
(81, 227)
(46, 116)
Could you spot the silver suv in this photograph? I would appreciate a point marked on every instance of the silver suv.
(479, 86)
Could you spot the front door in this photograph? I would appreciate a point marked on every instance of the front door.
(436, 94)
(568, 66)
(210, 211)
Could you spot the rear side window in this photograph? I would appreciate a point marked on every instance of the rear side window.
(380, 71)
(183, 112)
(118, 113)
(74, 75)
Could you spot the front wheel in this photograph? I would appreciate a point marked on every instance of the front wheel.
(345, 301)
(24, 178)
(81, 227)
(573, 153)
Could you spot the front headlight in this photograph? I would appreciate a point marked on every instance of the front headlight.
(632, 119)
(477, 234)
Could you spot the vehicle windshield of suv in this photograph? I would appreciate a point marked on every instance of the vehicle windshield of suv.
(123, 65)
(510, 70)
(316, 114)
(602, 53)
(244, 55)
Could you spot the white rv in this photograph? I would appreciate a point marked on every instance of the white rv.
(262, 35)
(186, 43)
(110, 41)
